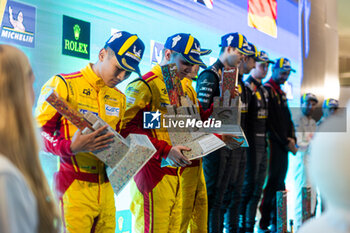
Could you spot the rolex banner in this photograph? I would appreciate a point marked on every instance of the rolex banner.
(76, 37)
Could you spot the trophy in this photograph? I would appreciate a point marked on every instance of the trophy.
(123, 158)
(183, 111)
(227, 108)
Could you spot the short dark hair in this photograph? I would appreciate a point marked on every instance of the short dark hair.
(222, 50)
(253, 56)
(173, 53)
(163, 52)
(110, 52)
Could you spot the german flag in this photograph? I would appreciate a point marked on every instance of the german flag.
(262, 15)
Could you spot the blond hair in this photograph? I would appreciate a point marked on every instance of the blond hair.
(17, 133)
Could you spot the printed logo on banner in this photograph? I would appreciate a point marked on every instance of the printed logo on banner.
(76, 37)
(156, 52)
(18, 24)
(124, 221)
(151, 120)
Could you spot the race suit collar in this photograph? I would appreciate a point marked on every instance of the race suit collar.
(253, 80)
(275, 86)
(240, 78)
(92, 78)
(157, 70)
(187, 81)
(219, 65)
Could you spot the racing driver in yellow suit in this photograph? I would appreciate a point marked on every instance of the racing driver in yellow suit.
(194, 215)
(85, 195)
(156, 191)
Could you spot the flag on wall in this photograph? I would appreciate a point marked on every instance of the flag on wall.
(156, 52)
(207, 3)
(262, 15)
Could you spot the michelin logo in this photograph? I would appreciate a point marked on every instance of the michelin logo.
(18, 24)
(151, 120)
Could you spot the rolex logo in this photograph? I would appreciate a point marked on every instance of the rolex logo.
(76, 30)
(76, 37)
(75, 45)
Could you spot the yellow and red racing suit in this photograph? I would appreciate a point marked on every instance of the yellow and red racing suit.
(156, 191)
(81, 185)
(194, 192)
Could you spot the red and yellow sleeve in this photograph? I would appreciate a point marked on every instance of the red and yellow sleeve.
(122, 106)
(50, 120)
(138, 100)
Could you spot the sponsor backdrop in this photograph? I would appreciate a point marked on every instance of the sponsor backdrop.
(75, 37)
(273, 28)
(62, 36)
(18, 24)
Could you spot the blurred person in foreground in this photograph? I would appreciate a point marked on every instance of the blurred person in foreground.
(26, 204)
(329, 171)
(329, 107)
(306, 127)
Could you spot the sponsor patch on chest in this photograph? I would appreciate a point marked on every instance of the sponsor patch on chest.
(83, 111)
(112, 111)
(130, 100)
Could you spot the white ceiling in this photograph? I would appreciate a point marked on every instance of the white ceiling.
(344, 27)
(343, 17)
